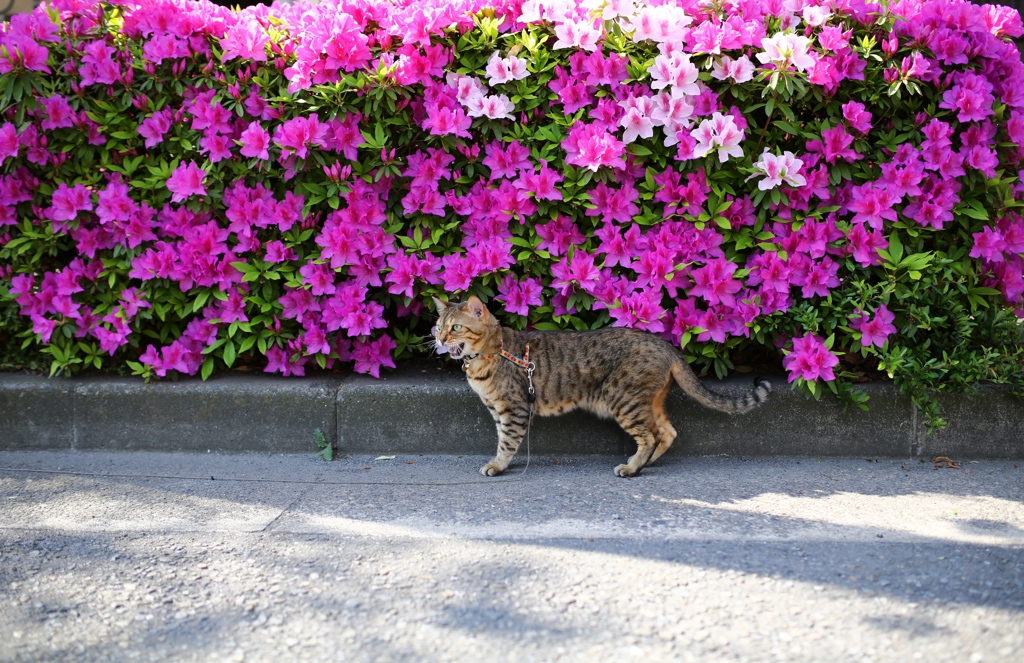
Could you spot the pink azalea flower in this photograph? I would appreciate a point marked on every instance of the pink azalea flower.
(810, 360)
(155, 126)
(299, 134)
(877, 330)
(371, 356)
(558, 235)
(255, 141)
(857, 116)
(68, 202)
(58, 113)
(186, 181)
(447, 121)
(8, 142)
(636, 125)
(835, 144)
(989, 245)
(506, 162)
(495, 107)
(519, 296)
(590, 146)
(714, 282)
(542, 184)
(578, 271)
(245, 39)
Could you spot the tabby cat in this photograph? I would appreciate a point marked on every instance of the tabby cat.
(620, 373)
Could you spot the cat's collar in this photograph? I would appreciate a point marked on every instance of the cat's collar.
(522, 362)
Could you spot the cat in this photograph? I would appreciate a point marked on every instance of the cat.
(616, 373)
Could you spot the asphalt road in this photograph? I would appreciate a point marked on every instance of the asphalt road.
(143, 556)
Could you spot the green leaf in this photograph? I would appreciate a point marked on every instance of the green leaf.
(229, 353)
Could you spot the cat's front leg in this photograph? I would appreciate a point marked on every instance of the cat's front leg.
(511, 425)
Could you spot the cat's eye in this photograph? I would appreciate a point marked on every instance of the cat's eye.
(456, 328)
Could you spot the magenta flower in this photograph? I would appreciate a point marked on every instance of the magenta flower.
(877, 330)
(245, 39)
(859, 118)
(320, 278)
(591, 146)
(519, 296)
(579, 271)
(810, 360)
(8, 142)
(255, 141)
(299, 134)
(447, 121)
(542, 184)
(714, 282)
(371, 356)
(873, 205)
(835, 144)
(186, 181)
(989, 245)
(58, 112)
(155, 126)
(68, 202)
(505, 162)
(558, 235)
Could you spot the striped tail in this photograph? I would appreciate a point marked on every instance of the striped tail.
(696, 390)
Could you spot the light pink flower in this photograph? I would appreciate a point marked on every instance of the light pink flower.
(778, 169)
(578, 34)
(502, 70)
(718, 133)
(664, 24)
(739, 70)
(784, 50)
(675, 72)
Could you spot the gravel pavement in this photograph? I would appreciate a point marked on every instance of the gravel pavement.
(145, 556)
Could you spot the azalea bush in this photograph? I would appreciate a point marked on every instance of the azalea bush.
(184, 187)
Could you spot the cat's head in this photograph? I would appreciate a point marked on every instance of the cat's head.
(463, 329)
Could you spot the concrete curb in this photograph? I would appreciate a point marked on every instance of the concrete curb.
(414, 411)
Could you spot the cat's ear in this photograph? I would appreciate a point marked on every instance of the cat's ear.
(476, 308)
(440, 305)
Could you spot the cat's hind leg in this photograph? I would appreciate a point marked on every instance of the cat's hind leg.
(645, 445)
(511, 425)
(666, 431)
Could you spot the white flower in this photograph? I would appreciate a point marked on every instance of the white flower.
(661, 24)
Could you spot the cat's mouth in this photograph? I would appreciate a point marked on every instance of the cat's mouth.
(456, 350)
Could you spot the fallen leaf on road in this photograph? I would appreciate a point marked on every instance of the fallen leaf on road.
(949, 463)
(384, 458)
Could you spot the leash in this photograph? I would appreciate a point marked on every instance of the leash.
(531, 395)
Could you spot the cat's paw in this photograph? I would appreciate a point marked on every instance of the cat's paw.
(491, 470)
(624, 471)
